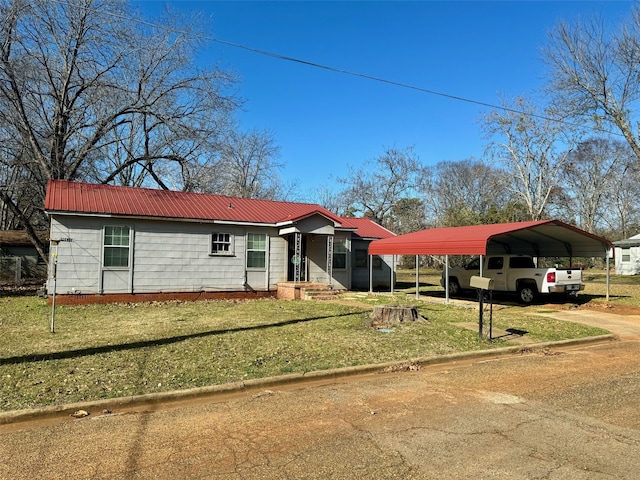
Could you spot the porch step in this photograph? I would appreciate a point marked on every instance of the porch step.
(320, 294)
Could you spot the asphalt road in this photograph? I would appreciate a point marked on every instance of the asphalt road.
(548, 414)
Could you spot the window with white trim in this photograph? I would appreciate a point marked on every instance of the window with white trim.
(626, 254)
(339, 253)
(116, 246)
(256, 250)
(221, 243)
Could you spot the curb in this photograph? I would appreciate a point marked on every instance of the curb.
(17, 416)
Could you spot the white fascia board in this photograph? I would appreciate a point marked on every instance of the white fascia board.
(232, 222)
(74, 214)
(282, 224)
(287, 231)
(163, 219)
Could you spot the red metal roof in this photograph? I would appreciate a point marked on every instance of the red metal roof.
(549, 238)
(74, 197)
(85, 198)
(366, 228)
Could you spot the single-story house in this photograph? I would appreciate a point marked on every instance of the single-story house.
(628, 256)
(111, 243)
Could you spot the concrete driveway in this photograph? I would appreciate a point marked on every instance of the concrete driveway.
(558, 413)
(625, 326)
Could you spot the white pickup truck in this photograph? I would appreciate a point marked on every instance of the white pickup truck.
(516, 273)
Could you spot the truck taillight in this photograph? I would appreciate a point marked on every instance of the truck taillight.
(551, 277)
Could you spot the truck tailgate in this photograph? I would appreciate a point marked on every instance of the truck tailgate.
(571, 279)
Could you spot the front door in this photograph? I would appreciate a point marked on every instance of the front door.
(297, 258)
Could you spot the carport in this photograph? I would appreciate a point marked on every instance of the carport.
(541, 238)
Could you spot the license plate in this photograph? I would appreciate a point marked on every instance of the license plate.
(571, 288)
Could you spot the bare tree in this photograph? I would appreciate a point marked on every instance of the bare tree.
(532, 149)
(594, 74)
(590, 180)
(376, 186)
(88, 93)
(329, 199)
(624, 207)
(248, 167)
(467, 192)
(407, 215)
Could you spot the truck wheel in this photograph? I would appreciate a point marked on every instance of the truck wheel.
(526, 293)
(454, 287)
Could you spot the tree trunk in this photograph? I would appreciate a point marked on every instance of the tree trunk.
(387, 315)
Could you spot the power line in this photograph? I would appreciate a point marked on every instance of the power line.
(339, 70)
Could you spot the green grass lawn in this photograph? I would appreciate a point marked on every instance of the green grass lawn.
(102, 351)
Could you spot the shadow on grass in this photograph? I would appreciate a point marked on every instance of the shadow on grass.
(511, 334)
(404, 285)
(82, 352)
(510, 299)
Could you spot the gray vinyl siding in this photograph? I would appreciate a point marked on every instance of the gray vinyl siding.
(317, 258)
(175, 256)
(316, 225)
(165, 257)
(342, 276)
(317, 263)
(382, 278)
(360, 276)
(277, 260)
(80, 260)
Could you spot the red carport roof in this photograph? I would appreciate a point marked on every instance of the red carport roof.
(543, 238)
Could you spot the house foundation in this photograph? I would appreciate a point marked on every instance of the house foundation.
(86, 299)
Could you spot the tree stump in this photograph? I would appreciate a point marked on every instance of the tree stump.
(386, 315)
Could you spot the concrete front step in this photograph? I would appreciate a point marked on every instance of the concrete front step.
(324, 294)
(307, 291)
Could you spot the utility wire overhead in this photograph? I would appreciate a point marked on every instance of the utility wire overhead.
(342, 71)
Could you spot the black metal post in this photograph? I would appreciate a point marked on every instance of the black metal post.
(480, 299)
(490, 314)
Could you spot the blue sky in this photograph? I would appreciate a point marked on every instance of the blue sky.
(324, 121)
